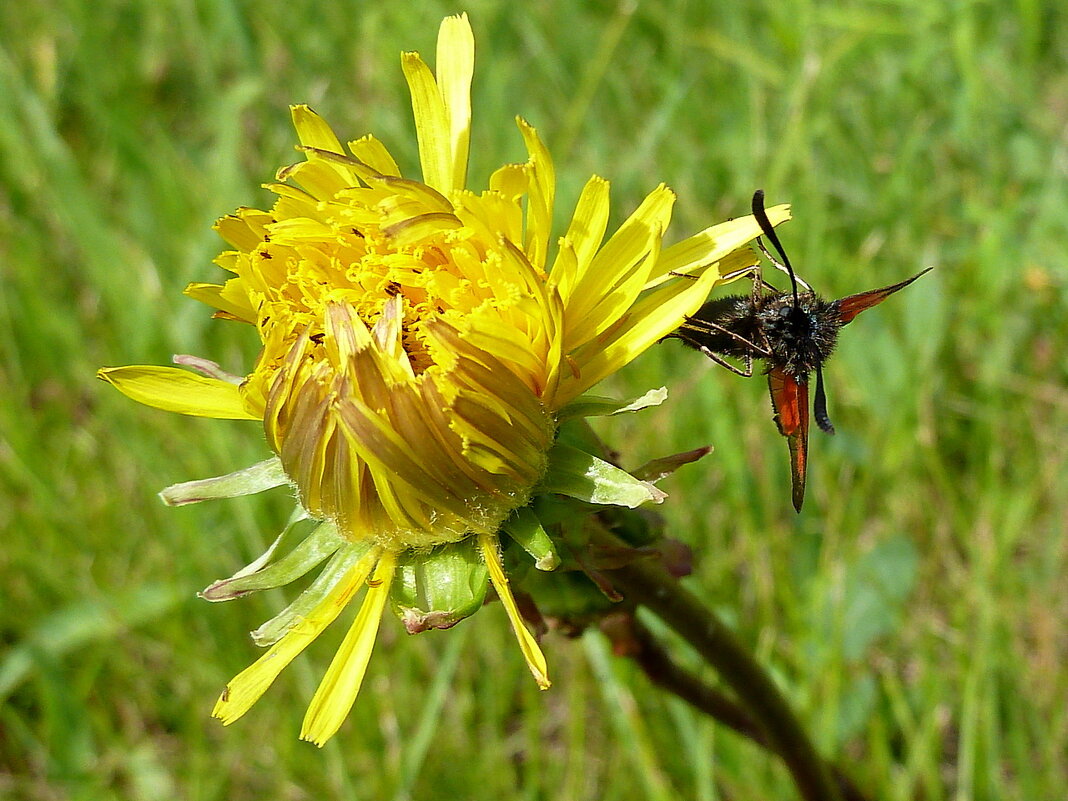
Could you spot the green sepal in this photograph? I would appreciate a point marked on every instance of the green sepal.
(581, 475)
(568, 596)
(317, 546)
(578, 433)
(636, 527)
(599, 406)
(293, 532)
(526, 529)
(439, 588)
(266, 475)
(340, 564)
(559, 510)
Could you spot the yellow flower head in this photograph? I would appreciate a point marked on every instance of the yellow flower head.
(419, 350)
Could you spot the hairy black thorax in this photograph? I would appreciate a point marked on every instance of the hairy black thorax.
(796, 339)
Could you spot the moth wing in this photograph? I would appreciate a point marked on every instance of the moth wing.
(852, 305)
(789, 399)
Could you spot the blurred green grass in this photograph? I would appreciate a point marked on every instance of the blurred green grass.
(915, 610)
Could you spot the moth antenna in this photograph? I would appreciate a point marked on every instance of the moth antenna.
(819, 405)
(769, 232)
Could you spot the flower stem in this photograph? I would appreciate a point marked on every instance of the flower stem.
(646, 582)
(655, 661)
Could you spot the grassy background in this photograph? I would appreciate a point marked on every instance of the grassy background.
(915, 610)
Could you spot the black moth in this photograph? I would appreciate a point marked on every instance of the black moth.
(793, 333)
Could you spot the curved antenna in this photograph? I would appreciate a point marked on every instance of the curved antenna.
(769, 232)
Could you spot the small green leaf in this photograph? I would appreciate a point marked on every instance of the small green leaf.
(316, 547)
(599, 406)
(340, 564)
(257, 478)
(581, 475)
(578, 433)
(526, 529)
(291, 533)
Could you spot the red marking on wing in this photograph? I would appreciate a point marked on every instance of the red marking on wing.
(789, 398)
(852, 305)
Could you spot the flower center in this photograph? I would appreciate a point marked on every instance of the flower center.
(383, 394)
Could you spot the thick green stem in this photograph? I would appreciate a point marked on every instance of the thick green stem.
(646, 582)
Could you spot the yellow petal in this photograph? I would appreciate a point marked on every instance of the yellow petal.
(554, 357)
(496, 213)
(624, 249)
(339, 687)
(564, 269)
(431, 124)
(175, 390)
(511, 180)
(252, 682)
(325, 176)
(319, 178)
(619, 271)
(712, 244)
(527, 644)
(299, 230)
(313, 130)
(412, 230)
(244, 229)
(374, 154)
(541, 197)
(584, 234)
(224, 298)
(388, 454)
(456, 67)
(656, 315)
(427, 198)
(613, 308)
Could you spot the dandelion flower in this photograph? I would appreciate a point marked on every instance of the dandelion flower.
(421, 343)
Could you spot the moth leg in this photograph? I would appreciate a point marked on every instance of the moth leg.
(761, 288)
(739, 273)
(752, 349)
(747, 372)
(752, 272)
(758, 284)
(742, 272)
(766, 344)
(779, 265)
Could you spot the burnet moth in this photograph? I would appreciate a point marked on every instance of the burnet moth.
(793, 333)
